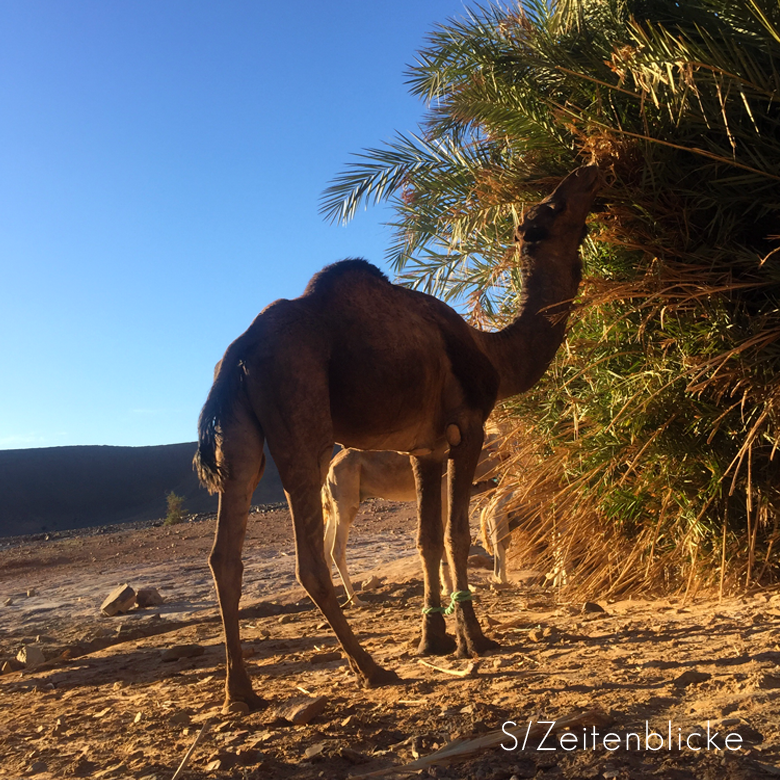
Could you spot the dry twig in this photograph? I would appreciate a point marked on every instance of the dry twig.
(470, 670)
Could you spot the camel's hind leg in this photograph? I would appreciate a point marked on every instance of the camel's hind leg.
(300, 438)
(242, 450)
(302, 478)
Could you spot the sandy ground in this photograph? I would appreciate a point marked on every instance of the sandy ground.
(624, 677)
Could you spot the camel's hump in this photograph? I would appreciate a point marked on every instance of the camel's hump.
(332, 275)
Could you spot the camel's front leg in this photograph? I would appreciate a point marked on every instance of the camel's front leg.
(463, 461)
(314, 575)
(430, 543)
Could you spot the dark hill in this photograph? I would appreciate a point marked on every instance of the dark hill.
(59, 488)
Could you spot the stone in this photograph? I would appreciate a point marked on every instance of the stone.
(11, 665)
(120, 600)
(353, 756)
(325, 657)
(248, 756)
(371, 583)
(221, 761)
(235, 708)
(148, 597)
(691, 677)
(181, 717)
(8, 602)
(182, 651)
(314, 750)
(593, 607)
(767, 681)
(301, 710)
(30, 655)
(31, 592)
(480, 561)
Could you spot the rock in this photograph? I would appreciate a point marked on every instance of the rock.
(314, 750)
(691, 677)
(30, 655)
(116, 769)
(248, 756)
(353, 756)
(31, 592)
(181, 717)
(592, 607)
(371, 583)
(301, 710)
(480, 561)
(549, 634)
(767, 681)
(325, 657)
(748, 734)
(37, 767)
(11, 665)
(221, 761)
(148, 597)
(8, 602)
(235, 708)
(120, 600)
(182, 651)
(286, 618)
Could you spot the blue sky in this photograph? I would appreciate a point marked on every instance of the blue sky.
(161, 164)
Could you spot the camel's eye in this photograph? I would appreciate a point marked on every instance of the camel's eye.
(534, 233)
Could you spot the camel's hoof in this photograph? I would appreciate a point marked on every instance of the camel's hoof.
(469, 647)
(355, 601)
(380, 677)
(443, 644)
(244, 705)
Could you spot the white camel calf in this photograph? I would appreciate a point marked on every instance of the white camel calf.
(494, 522)
(355, 475)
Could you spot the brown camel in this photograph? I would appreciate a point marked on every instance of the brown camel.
(355, 475)
(372, 365)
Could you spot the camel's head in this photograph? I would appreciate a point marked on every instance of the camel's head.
(557, 225)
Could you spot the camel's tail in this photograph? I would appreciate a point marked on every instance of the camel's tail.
(226, 391)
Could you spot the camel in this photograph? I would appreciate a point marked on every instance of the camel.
(496, 528)
(355, 475)
(376, 366)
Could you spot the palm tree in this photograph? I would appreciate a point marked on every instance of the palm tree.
(655, 431)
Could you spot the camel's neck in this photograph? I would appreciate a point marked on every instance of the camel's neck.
(522, 351)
